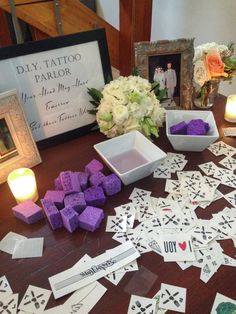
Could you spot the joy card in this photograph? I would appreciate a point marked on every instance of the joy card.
(177, 247)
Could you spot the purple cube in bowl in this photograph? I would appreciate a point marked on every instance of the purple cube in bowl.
(83, 180)
(28, 212)
(76, 201)
(180, 128)
(57, 197)
(70, 182)
(93, 167)
(94, 196)
(91, 218)
(196, 127)
(96, 179)
(111, 184)
(70, 218)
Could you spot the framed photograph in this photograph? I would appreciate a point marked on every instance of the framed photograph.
(17, 146)
(52, 77)
(168, 62)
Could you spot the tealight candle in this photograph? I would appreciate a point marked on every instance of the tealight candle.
(230, 109)
(23, 185)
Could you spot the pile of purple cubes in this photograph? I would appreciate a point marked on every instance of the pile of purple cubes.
(194, 127)
(76, 200)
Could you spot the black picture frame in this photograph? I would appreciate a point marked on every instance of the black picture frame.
(53, 47)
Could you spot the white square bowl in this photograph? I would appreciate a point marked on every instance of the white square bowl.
(192, 143)
(133, 152)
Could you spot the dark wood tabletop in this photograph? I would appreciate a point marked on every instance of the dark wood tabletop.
(63, 249)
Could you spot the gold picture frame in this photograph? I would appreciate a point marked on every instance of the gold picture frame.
(17, 146)
(179, 53)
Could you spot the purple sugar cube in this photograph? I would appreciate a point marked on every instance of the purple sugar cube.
(28, 211)
(180, 128)
(91, 218)
(96, 179)
(70, 182)
(207, 126)
(111, 184)
(196, 127)
(57, 197)
(76, 201)
(94, 196)
(52, 213)
(69, 218)
(93, 167)
(57, 184)
(83, 180)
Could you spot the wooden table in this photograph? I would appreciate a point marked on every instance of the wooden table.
(63, 249)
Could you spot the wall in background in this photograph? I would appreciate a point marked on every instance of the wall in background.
(211, 20)
(109, 11)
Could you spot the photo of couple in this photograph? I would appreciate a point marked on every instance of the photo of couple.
(165, 70)
(166, 79)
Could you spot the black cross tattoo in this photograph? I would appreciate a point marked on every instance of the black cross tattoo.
(116, 223)
(203, 232)
(198, 193)
(233, 198)
(226, 222)
(171, 219)
(34, 299)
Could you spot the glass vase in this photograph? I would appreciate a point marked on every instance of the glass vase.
(205, 97)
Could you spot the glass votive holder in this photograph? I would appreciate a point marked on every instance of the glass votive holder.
(230, 109)
(23, 186)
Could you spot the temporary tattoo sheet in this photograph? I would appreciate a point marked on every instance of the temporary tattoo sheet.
(173, 298)
(218, 304)
(177, 247)
(140, 305)
(35, 299)
(82, 301)
(8, 305)
(116, 223)
(5, 288)
(71, 279)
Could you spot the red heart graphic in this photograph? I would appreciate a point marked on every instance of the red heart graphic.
(182, 245)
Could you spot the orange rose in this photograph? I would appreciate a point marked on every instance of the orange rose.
(214, 64)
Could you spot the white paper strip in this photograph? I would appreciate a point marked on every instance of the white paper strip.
(73, 279)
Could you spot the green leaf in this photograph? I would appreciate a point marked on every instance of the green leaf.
(106, 117)
(92, 111)
(135, 97)
(95, 94)
(135, 71)
(153, 131)
(94, 103)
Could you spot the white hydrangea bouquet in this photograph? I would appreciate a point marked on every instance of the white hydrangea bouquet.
(126, 104)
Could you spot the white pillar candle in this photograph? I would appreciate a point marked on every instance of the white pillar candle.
(23, 185)
(230, 109)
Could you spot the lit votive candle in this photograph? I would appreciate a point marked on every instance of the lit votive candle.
(230, 109)
(23, 185)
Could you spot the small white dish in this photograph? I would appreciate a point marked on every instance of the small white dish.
(131, 156)
(192, 143)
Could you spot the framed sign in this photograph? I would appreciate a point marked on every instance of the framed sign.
(17, 146)
(52, 77)
(168, 62)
